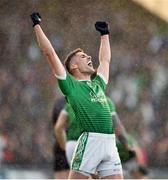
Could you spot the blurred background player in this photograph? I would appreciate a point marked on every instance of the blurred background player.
(132, 156)
(67, 131)
(61, 167)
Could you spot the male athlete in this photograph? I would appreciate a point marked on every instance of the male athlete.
(96, 149)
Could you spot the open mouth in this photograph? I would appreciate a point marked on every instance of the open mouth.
(90, 63)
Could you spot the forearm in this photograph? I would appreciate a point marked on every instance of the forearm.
(49, 51)
(61, 138)
(42, 40)
(105, 50)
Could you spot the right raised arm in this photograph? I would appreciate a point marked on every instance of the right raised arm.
(45, 45)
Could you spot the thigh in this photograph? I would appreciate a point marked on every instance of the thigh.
(111, 166)
(116, 176)
(63, 174)
(77, 175)
(88, 155)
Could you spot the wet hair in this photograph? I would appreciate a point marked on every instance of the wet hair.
(69, 58)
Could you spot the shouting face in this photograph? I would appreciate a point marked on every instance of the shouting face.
(83, 63)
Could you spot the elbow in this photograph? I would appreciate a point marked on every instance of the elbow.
(105, 60)
(57, 130)
(46, 49)
(109, 59)
(48, 52)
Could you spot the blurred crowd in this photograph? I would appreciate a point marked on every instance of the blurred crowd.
(138, 77)
(139, 89)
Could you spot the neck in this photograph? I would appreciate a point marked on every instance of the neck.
(80, 76)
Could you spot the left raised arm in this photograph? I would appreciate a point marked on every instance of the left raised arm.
(104, 51)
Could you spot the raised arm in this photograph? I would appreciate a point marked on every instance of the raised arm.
(104, 51)
(45, 45)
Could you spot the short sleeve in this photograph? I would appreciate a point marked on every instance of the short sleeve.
(68, 84)
(65, 109)
(99, 80)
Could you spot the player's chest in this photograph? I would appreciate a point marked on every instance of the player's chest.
(92, 92)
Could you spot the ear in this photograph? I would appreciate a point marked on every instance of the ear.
(74, 66)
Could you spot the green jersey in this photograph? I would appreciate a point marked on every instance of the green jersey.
(73, 131)
(111, 105)
(88, 100)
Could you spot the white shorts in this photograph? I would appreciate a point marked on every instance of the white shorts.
(96, 152)
(70, 147)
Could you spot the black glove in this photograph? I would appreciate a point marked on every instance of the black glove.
(102, 27)
(36, 18)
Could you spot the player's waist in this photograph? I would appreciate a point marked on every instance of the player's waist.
(101, 135)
